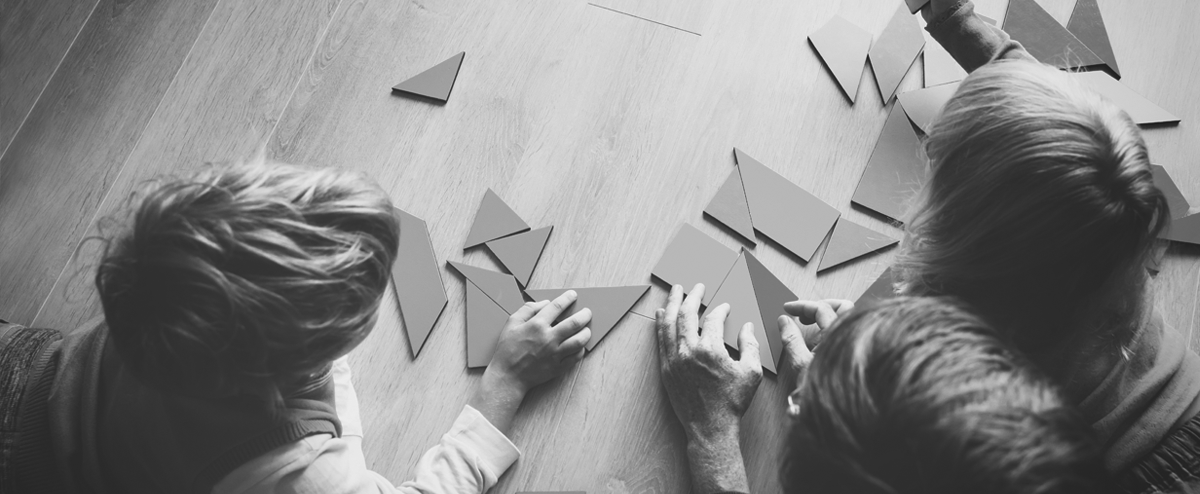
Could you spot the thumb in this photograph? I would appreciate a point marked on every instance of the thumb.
(794, 345)
(748, 345)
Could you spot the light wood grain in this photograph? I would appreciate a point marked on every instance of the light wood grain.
(76, 139)
(34, 37)
(614, 130)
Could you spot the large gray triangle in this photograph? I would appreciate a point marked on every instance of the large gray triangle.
(436, 82)
(608, 305)
(896, 170)
(485, 322)
(782, 211)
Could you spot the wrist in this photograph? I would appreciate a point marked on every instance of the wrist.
(716, 462)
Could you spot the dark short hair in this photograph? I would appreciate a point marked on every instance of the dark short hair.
(916, 395)
(247, 277)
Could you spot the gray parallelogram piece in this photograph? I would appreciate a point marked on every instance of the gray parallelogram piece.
(417, 279)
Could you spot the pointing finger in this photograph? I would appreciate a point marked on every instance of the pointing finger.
(688, 324)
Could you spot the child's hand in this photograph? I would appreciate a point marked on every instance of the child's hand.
(533, 350)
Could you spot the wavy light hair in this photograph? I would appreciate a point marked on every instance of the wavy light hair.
(245, 279)
(1040, 210)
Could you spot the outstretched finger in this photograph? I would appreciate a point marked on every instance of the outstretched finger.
(811, 312)
(794, 345)
(571, 326)
(713, 333)
(576, 342)
(555, 308)
(528, 310)
(748, 346)
(688, 324)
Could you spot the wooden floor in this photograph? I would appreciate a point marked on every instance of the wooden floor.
(614, 129)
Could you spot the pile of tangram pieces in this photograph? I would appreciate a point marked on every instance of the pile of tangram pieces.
(492, 296)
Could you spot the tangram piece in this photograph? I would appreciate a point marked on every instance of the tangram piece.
(693, 257)
(730, 208)
(940, 67)
(1140, 109)
(418, 282)
(493, 220)
(924, 105)
(485, 321)
(608, 305)
(754, 296)
(896, 170)
(1046, 39)
(881, 289)
(843, 46)
(520, 253)
(915, 5)
(436, 82)
(1176, 202)
(1087, 25)
(851, 241)
(500, 287)
(1186, 230)
(785, 213)
(895, 51)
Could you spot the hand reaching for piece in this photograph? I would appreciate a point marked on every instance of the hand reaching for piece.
(708, 389)
(798, 341)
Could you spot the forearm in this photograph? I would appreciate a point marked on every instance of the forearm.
(716, 463)
(498, 399)
(970, 40)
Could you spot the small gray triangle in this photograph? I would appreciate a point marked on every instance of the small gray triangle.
(436, 82)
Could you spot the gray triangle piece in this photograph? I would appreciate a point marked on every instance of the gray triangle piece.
(895, 51)
(729, 207)
(608, 304)
(693, 257)
(924, 105)
(1176, 202)
(771, 294)
(915, 5)
(485, 322)
(843, 47)
(738, 292)
(896, 170)
(851, 241)
(782, 211)
(500, 287)
(1140, 109)
(418, 282)
(881, 289)
(1046, 39)
(1185, 230)
(940, 66)
(436, 82)
(1087, 24)
(520, 253)
(493, 220)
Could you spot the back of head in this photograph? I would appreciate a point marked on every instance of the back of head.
(245, 279)
(1040, 209)
(917, 396)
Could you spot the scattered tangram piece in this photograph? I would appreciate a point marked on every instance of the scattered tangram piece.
(693, 257)
(1140, 109)
(915, 5)
(608, 304)
(436, 82)
(940, 67)
(1176, 202)
(756, 296)
(485, 321)
(851, 241)
(418, 282)
(1046, 39)
(843, 46)
(881, 289)
(924, 105)
(1185, 230)
(1087, 25)
(494, 220)
(895, 51)
(782, 211)
(520, 253)
(729, 207)
(499, 287)
(896, 170)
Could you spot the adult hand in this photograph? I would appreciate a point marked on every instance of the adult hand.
(708, 389)
(798, 341)
(532, 350)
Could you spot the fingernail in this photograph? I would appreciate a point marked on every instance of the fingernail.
(571, 293)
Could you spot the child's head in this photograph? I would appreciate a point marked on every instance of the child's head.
(245, 279)
(916, 395)
(1040, 210)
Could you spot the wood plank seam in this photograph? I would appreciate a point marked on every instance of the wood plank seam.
(610, 9)
(48, 79)
(120, 171)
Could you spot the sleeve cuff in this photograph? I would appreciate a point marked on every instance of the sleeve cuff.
(473, 431)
